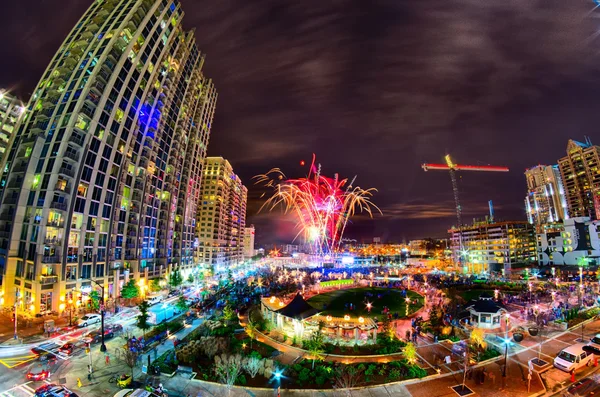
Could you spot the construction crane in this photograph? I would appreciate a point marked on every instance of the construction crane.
(452, 167)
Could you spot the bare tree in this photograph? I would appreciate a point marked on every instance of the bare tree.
(347, 377)
(130, 359)
(228, 372)
(252, 365)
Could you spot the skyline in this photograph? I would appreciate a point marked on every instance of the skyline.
(438, 77)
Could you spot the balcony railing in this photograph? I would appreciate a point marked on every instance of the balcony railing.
(73, 156)
(53, 241)
(48, 279)
(59, 206)
(66, 171)
(76, 140)
(7, 216)
(51, 259)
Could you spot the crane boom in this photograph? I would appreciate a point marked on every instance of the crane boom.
(461, 167)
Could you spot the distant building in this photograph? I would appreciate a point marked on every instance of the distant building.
(579, 172)
(427, 247)
(222, 216)
(249, 250)
(290, 249)
(577, 239)
(11, 111)
(545, 202)
(493, 246)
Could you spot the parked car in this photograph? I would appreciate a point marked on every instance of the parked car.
(583, 387)
(67, 348)
(38, 372)
(89, 319)
(594, 345)
(573, 358)
(54, 390)
(153, 300)
(136, 393)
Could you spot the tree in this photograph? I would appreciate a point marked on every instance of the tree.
(142, 319)
(182, 304)
(130, 358)
(251, 332)
(155, 285)
(95, 300)
(252, 365)
(228, 313)
(228, 372)
(478, 338)
(190, 279)
(410, 353)
(346, 377)
(388, 328)
(130, 290)
(434, 318)
(175, 279)
(316, 345)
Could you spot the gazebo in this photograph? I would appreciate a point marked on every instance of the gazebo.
(298, 316)
(485, 312)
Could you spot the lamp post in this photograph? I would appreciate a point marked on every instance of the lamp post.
(102, 345)
(506, 343)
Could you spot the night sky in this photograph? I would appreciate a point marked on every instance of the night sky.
(374, 89)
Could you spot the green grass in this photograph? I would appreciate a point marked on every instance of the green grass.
(333, 303)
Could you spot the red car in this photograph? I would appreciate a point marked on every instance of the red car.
(38, 372)
(67, 349)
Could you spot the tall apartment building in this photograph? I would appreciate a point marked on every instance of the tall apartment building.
(104, 174)
(11, 111)
(493, 246)
(545, 202)
(249, 234)
(222, 216)
(580, 172)
(567, 244)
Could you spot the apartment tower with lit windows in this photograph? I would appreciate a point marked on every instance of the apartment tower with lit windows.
(580, 172)
(545, 202)
(104, 174)
(222, 216)
(11, 111)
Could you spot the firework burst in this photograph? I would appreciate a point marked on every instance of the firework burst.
(321, 205)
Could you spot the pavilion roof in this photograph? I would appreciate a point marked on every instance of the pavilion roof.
(298, 308)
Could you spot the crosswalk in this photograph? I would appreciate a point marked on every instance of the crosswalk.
(22, 390)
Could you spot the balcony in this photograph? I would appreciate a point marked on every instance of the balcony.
(72, 155)
(15, 183)
(63, 189)
(58, 205)
(21, 167)
(51, 259)
(11, 199)
(7, 216)
(76, 140)
(48, 280)
(130, 256)
(53, 241)
(67, 172)
(56, 223)
(4, 234)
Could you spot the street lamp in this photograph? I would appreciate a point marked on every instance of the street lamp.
(506, 343)
(102, 345)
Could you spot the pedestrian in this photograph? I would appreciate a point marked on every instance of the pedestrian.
(107, 359)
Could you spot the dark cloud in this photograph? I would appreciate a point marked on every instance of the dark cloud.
(375, 88)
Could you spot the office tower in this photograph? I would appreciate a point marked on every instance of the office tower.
(11, 110)
(579, 170)
(249, 242)
(222, 216)
(105, 169)
(493, 246)
(545, 202)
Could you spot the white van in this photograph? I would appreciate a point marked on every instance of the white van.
(573, 358)
(153, 300)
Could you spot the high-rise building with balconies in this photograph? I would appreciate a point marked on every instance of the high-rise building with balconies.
(11, 111)
(580, 172)
(545, 202)
(104, 175)
(222, 216)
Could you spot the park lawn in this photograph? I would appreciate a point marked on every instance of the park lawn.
(334, 303)
(474, 293)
